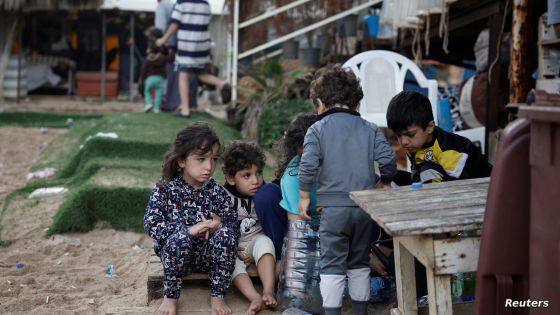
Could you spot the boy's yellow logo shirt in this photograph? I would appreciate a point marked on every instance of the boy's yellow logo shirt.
(452, 161)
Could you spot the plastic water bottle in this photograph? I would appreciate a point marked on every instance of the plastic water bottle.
(69, 123)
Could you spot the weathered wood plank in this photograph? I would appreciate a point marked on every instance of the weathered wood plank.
(405, 279)
(456, 255)
(439, 293)
(155, 271)
(434, 226)
(436, 208)
(421, 247)
(401, 205)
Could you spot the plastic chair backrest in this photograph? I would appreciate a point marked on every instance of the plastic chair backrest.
(382, 75)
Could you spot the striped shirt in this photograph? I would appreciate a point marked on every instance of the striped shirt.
(193, 17)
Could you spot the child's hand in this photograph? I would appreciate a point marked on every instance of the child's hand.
(303, 206)
(200, 229)
(215, 223)
(382, 185)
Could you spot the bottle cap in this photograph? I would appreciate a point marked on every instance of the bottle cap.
(416, 185)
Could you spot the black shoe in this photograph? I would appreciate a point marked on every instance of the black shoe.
(226, 93)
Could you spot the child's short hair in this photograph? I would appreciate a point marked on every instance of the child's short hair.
(336, 85)
(407, 109)
(239, 155)
(196, 138)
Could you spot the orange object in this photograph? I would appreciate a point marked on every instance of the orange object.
(89, 83)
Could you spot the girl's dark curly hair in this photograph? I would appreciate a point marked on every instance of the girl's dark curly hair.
(196, 138)
(336, 85)
(239, 155)
(293, 139)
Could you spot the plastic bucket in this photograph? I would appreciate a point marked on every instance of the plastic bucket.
(13, 77)
(372, 22)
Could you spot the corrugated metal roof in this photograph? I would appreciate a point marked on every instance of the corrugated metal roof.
(216, 6)
(26, 5)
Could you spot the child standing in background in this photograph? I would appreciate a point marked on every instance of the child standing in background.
(191, 220)
(152, 76)
(243, 164)
(288, 168)
(339, 152)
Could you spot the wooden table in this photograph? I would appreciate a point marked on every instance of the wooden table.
(419, 221)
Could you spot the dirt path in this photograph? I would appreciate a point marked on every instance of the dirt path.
(64, 274)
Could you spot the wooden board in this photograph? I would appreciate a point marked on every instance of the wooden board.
(435, 208)
(155, 277)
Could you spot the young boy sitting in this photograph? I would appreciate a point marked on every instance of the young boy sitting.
(339, 152)
(243, 164)
(435, 154)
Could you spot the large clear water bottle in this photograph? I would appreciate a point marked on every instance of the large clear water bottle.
(299, 282)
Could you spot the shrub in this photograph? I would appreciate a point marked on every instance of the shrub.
(276, 117)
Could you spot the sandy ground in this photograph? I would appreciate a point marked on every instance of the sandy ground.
(63, 274)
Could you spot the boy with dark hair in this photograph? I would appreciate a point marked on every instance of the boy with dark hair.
(339, 152)
(243, 164)
(435, 154)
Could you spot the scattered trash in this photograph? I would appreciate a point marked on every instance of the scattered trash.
(47, 300)
(59, 262)
(69, 123)
(44, 129)
(23, 285)
(100, 134)
(47, 192)
(42, 174)
(20, 266)
(90, 301)
(73, 287)
(136, 247)
(90, 244)
(66, 254)
(109, 271)
(9, 282)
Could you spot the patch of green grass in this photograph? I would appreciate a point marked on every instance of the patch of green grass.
(109, 179)
(122, 207)
(51, 120)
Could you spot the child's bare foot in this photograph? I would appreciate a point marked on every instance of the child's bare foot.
(167, 307)
(255, 307)
(219, 306)
(268, 299)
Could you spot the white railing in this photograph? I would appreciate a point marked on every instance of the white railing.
(237, 26)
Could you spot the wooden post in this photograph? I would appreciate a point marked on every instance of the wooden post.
(520, 29)
(103, 54)
(493, 105)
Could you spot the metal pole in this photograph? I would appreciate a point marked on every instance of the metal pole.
(520, 31)
(235, 52)
(131, 64)
(103, 55)
(20, 32)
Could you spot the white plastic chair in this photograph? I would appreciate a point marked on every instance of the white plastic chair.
(382, 74)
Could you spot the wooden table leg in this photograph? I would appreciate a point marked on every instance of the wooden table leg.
(405, 279)
(439, 293)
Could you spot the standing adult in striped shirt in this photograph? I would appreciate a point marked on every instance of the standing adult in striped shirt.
(191, 20)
